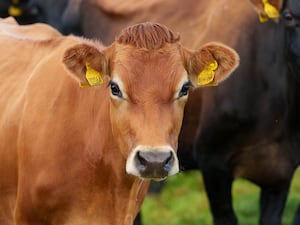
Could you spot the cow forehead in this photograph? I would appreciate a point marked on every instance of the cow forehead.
(153, 72)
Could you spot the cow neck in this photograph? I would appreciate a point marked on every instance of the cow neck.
(137, 195)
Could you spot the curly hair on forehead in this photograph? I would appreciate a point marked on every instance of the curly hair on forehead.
(147, 35)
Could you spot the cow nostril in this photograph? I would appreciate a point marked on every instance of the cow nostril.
(141, 159)
(168, 162)
(151, 163)
(142, 162)
(169, 158)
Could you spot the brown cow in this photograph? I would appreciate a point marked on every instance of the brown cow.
(246, 128)
(72, 155)
(9, 26)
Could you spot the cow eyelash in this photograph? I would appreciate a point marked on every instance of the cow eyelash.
(185, 89)
(115, 89)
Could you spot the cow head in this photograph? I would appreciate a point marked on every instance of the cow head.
(289, 13)
(150, 75)
(290, 16)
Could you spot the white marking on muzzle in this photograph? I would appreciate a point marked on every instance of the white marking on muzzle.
(131, 163)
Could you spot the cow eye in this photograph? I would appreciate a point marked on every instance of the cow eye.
(287, 15)
(288, 18)
(115, 90)
(185, 89)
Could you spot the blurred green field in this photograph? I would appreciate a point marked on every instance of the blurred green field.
(183, 202)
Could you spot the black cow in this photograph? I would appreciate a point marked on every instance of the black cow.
(249, 126)
(61, 14)
(290, 17)
(18, 9)
(256, 137)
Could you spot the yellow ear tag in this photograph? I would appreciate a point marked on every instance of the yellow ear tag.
(263, 18)
(93, 77)
(270, 10)
(14, 11)
(207, 75)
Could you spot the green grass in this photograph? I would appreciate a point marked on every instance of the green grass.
(183, 202)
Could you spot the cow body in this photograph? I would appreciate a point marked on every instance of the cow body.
(75, 155)
(238, 130)
(290, 19)
(37, 31)
(52, 151)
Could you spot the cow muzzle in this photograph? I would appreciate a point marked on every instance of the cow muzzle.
(154, 163)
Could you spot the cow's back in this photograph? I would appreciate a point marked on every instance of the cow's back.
(203, 21)
(37, 31)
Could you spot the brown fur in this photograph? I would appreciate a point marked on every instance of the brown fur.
(9, 26)
(64, 148)
(147, 36)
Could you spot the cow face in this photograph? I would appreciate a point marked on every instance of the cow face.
(150, 76)
(289, 12)
(291, 18)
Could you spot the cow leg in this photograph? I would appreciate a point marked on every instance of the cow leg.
(272, 204)
(218, 188)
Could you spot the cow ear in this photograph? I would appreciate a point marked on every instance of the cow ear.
(211, 64)
(86, 64)
(267, 9)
